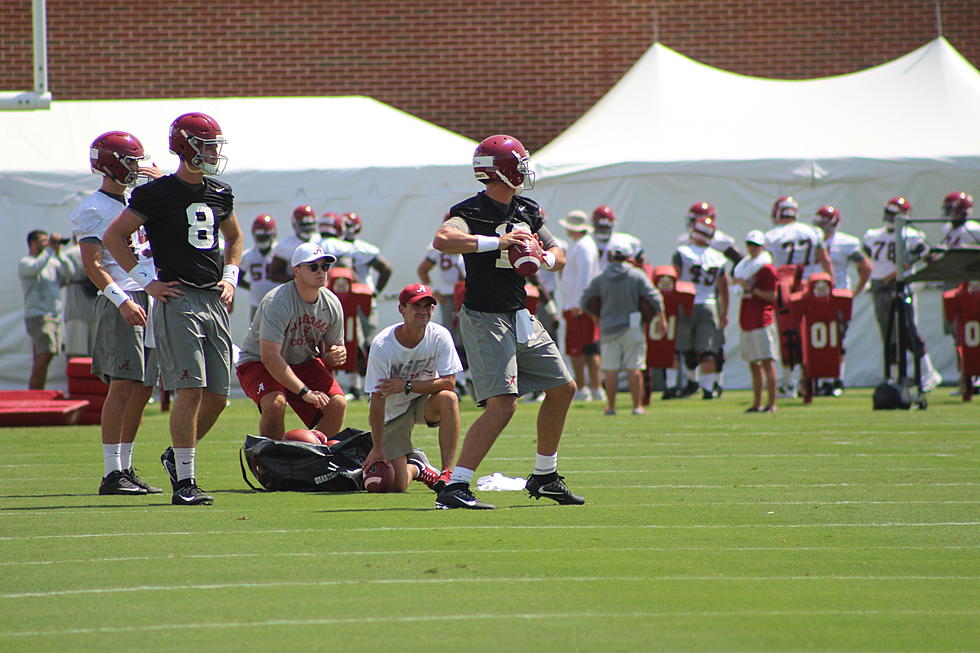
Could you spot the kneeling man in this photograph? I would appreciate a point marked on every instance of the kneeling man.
(411, 375)
(297, 333)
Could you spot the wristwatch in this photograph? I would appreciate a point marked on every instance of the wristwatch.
(302, 392)
(408, 386)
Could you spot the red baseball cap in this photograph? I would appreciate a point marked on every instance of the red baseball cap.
(413, 293)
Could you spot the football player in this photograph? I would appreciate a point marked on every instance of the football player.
(304, 231)
(195, 288)
(879, 244)
(603, 221)
(510, 353)
(843, 250)
(699, 333)
(124, 354)
(797, 251)
(960, 231)
(257, 261)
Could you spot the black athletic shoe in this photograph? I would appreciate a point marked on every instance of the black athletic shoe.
(188, 494)
(552, 486)
(689, 389)
(708, 394)
(458, 495)
(719, 391)
(170, 464)
(136, 480)
(428, 474)
(669, 393)
(117, 482)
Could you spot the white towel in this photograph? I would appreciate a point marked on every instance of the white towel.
(523, 325)
(499, 482)
(747, 267)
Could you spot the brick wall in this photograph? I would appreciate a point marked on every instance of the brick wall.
(527, 68)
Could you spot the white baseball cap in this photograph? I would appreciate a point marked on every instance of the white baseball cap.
(309, 252)
(756, 237)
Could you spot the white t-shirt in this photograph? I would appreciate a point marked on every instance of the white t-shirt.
(255, 267)
(581, 266)
(701, 265)
(795, 243)
(842, 249)
(90, 220)
(879, 244)
(434, 357)
(450, 269)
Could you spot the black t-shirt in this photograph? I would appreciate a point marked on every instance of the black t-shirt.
(492, 285)
(181, 222)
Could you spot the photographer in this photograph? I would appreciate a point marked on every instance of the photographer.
(42, 274)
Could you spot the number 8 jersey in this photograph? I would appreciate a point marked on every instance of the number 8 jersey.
(181, 222)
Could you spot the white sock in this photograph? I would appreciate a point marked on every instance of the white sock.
(126, 454)
(110, 458)
(461, 475)
(185, 462)
(708, 381)
(673, 376)
(545, 464)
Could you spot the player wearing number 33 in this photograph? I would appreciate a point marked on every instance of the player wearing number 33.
(509, 352)
(182, 214)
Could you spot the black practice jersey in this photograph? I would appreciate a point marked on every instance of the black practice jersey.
(492, 285)
(181, 222)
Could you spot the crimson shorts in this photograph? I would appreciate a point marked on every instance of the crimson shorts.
(580, 332)
(257, 382)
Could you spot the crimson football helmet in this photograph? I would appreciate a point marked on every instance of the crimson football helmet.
(785, 207)
(352, 225)
(827, 218)
(703, 228)
(264, 230)
(330, 225)
(117, 155)
(699, 210)
(503, 158)
(896, 206)
(196, 138)
(603, 219)
(304, 221)
(957, 206)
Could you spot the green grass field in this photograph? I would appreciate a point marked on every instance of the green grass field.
(823, 528)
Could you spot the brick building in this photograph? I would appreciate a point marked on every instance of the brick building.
(475, 68)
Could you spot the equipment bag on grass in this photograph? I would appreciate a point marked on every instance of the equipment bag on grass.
(287, 465)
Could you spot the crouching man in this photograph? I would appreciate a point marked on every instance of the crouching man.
(297, 333)
(411, 375)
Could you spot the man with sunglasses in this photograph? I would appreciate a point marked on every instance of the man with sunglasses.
(297, 333)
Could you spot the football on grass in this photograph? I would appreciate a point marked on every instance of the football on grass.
(525, 258)
(379, 477)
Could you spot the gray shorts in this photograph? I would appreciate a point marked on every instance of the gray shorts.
(45, 333)
(397, 437)
(194, 341)
(626, 351)
(119, 351)
(759, 344)
(499, 365)
(699, 331)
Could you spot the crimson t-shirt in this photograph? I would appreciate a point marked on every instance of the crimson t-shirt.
(755, 312)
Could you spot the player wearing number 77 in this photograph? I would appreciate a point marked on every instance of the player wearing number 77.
(509, 352)
(182, 214)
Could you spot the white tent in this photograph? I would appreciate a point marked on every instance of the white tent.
(673, 132)
(336, 153)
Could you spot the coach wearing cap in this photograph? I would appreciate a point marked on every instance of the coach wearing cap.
(411, 375)
(297, 333)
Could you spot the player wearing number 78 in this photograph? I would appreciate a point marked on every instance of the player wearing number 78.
(182, 214)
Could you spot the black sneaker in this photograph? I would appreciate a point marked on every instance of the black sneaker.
(719, 391)
(689, 389)
(187, 493)
(170, 464)
(116, 482)
(669, 393)
(552, 486)
(137, 481)
(458, 495)
(708, 394)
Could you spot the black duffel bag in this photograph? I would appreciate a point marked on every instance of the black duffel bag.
(286, 465)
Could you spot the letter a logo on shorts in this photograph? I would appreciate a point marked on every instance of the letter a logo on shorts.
(184, 375)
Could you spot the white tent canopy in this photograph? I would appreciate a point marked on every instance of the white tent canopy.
(673, 132)
(340, 154)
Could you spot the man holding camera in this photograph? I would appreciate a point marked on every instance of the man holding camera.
(42, 274)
